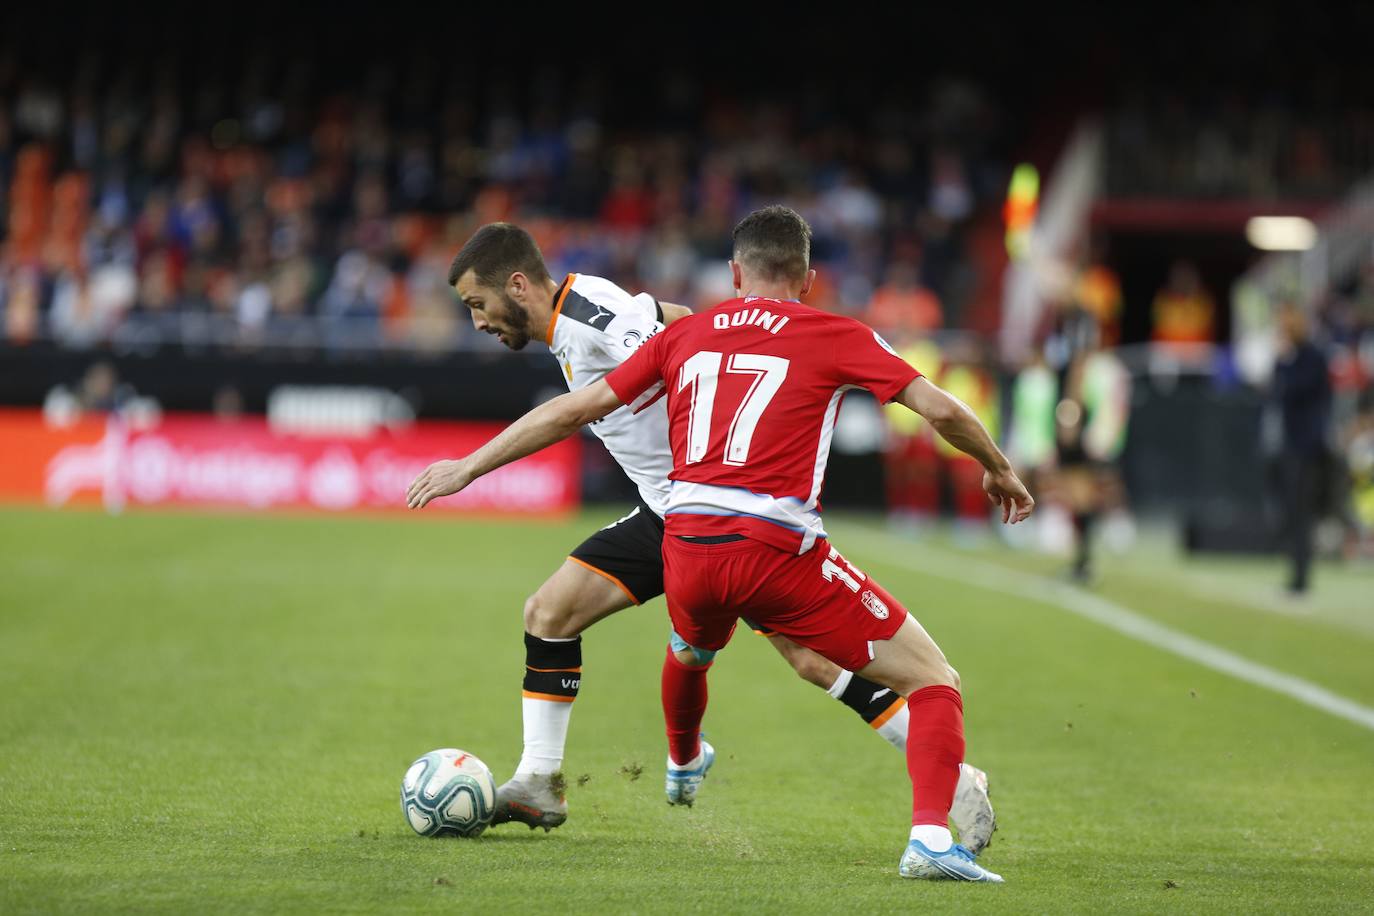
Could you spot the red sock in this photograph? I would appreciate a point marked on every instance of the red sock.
(684, 706)
(934, 750)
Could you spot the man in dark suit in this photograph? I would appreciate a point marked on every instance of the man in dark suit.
(1302, 396)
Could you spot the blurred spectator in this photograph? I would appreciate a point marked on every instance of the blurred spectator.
(901, 305)
(1090, 432)
(1164, 142)
(1359, 457)
(1099, 293)
(98, 391)
(920, 468)
(252, 208)
(1302, 395)
(1031, 437)
(99, 387)
(227, 405)
(911, 467)
(1184, 312)
(965, 376)
(20, 295)
(86, 309)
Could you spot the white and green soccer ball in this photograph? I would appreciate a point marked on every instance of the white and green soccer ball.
(448, 792)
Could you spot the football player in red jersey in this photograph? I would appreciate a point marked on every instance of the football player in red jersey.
(753, 388)
(592, 326)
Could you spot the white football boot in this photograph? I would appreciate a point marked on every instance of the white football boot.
(971, 814)
(682, 782)
(533, 799)
(953, 864)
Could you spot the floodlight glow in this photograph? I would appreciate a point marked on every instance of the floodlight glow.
(1281, 233)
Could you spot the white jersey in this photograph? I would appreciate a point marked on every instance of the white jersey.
(596, 326)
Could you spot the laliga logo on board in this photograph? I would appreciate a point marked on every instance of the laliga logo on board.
(335, 481)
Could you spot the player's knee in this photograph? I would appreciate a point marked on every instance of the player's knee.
(694, 658)
(547, 619)
(688, 654)
(941, 675)
(811, 667)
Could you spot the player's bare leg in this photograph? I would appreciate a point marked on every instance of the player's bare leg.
(884, 709)
(912, 664)
(881, 707)
(568, 602)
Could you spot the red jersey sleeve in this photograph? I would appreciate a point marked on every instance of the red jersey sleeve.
(864, 358)
(638, 381)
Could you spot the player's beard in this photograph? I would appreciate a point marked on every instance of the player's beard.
(517, 320)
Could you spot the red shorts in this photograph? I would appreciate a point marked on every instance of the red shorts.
(816, 599)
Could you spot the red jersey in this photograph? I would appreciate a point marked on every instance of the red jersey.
(754, 386)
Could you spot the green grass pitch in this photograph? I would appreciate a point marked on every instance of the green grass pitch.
(211, 713)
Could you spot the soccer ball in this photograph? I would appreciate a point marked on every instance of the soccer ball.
(448, 792)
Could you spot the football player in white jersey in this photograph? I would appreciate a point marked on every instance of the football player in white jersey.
(591, 326)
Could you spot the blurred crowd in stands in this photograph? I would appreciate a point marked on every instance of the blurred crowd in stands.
(266, 208)
(1172, 144)
(140, 209)
(1345, 331)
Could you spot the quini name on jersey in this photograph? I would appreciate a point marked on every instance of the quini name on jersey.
(771, 323)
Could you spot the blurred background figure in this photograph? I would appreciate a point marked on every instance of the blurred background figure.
(1359, 452)
(1090, 432)
(965, 375)
(911, 468)
(1184, 312)
(1301, 395)
(99, 391)
(1099, 293)
(923, 474)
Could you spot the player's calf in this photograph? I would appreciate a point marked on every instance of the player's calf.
(570, 600)
(685, 695)
(881, 707)
(553, 677)
(911, 661)
(884, 710)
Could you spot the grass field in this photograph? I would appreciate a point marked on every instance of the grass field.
(213, 713)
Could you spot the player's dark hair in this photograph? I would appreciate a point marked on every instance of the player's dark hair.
(775, 243)
(496, 251)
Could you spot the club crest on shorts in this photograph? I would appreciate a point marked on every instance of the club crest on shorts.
(875, 605)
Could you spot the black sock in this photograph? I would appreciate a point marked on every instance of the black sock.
(553, 670)
(868, 699)
(1083, 527)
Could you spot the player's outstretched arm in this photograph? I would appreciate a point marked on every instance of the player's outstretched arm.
(550, 422)
(962, 429)
(672, 312)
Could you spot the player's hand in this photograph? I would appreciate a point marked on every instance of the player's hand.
(1006, 491)
(442, 478)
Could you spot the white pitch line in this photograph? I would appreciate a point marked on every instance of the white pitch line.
(992, 577)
